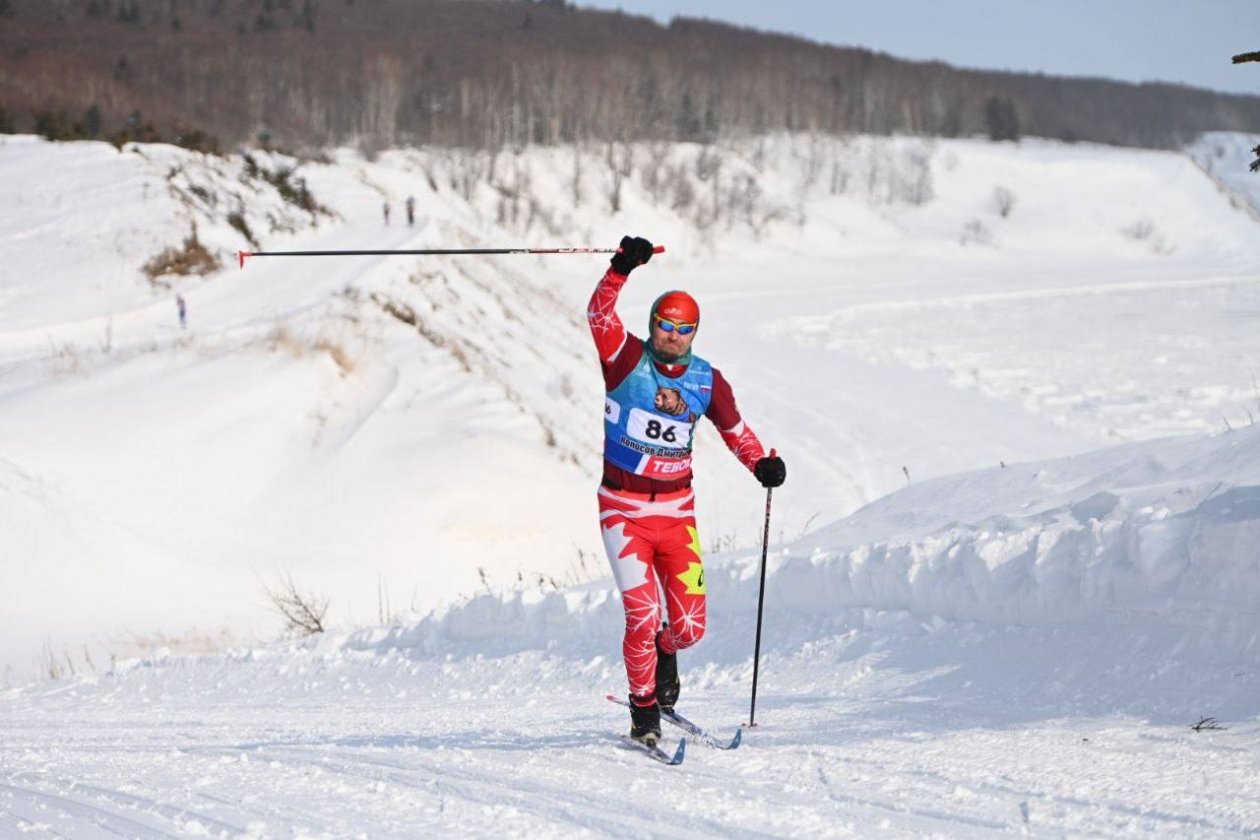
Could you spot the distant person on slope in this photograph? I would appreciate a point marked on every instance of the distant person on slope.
(411, 209)
(655, 392)
(182, 306)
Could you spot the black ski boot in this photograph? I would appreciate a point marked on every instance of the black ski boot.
(667, 683)
(645, 721)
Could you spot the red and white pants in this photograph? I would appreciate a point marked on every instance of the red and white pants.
(652, 545)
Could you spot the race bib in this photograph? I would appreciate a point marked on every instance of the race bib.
(612, 410)
(657, 431)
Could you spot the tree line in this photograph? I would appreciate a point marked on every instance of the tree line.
(495, 74)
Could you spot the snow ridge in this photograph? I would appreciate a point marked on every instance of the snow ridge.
(1163, 530)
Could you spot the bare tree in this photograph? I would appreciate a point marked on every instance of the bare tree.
(1001, 118)
(620, 159)
(303, 612)
(575, 178)
(654, 173)
(1239, 59)
(1003, 201)
(976, 231)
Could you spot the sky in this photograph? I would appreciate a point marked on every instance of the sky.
(1130, 40)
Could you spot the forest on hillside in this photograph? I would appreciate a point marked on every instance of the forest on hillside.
(492, 74)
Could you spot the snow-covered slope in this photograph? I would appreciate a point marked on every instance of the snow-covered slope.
(398, 432)
(998, 595)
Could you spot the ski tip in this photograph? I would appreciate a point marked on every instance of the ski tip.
(659, 249)
(739, 736)
(655, 752)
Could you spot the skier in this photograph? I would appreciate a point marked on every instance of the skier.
(411, 209)
(385, 210)
(182, 306)
(655, 392)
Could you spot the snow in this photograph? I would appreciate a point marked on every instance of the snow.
(1016, 558)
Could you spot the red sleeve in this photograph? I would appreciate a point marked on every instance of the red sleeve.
(735, 432)
(601, 314)
(611, 338)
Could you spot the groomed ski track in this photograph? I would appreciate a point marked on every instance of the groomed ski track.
(311, 743)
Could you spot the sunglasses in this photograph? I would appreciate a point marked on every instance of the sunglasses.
(670, 326)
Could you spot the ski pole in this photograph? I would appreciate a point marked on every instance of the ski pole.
(761, 602)
(433, 252)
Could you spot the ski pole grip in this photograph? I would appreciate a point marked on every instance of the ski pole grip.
(656, 249)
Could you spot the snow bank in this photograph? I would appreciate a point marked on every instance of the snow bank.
(1168, 527)
(1162, 532)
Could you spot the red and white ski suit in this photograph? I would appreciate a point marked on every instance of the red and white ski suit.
(649, 524)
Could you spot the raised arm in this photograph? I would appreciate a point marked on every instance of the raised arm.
(601, 313)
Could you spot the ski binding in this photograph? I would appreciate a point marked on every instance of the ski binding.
(692, 729)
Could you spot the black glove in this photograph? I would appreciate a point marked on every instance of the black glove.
(634, 253)
(770, 471)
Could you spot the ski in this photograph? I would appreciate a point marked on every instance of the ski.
(694, 730)
(657, 753)
(701, 734)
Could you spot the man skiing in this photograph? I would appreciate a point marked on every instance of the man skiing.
(655, 392)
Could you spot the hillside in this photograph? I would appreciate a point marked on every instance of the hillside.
(1013, 566)
(346, 420)
(506, 74)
